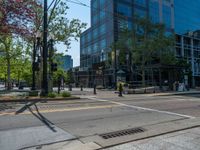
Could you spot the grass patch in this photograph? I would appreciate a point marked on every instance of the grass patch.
(33, 93)
(65, 94)
(52, 95)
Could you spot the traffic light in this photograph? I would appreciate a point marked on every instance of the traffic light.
(54, 67)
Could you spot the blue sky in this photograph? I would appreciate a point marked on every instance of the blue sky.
(82, 13)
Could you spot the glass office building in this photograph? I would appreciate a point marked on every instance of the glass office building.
(99, 36)
(187, 29)
(109, 16)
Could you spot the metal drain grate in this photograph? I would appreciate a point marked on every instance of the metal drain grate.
(122, 133)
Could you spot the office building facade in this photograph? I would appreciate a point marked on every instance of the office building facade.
(66, 62)
(187, 29)
(108, 17)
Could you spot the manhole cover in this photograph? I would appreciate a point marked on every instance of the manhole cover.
(122, 133)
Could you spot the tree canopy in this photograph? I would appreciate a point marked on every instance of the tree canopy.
(20, 20)
(147, 43)
(16, 16)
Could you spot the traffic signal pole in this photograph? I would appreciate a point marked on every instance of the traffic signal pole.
(33, 66)
(45, 51)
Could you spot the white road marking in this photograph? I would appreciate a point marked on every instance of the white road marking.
(143, 108)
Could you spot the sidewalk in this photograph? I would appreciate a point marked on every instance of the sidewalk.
(191, 92)
(182, 140)
(176, 135)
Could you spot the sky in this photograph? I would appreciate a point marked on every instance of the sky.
(82, 13)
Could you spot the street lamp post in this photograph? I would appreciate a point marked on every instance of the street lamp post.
(45, 51)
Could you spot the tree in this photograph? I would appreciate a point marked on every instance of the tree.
(70, 78)
(15, 57)
(24, 18)
(16, 16)
(147, 42)
(63, 29)
(59, 73)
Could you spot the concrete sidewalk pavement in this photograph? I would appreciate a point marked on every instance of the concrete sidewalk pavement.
(23, 138)
(176, 135)
(182, 140)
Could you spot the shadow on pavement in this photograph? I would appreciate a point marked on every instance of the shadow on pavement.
(37, 114)
(25, 107)
(44, 120)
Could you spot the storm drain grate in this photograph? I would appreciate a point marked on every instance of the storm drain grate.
(122, 133)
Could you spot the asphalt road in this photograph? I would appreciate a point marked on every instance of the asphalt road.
(92, 116)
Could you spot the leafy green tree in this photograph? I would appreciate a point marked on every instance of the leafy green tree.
(10, 52)
(59, 26)
(57, 75)
(15, 60)
(30, 21)
(146, 42)
(70, 78)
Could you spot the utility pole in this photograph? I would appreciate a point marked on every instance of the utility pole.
(33, 66)
(45, 51)
(51, 53)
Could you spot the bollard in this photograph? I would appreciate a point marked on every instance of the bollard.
(70, 87)
(120, 90)
(95, 89)
(81, 88)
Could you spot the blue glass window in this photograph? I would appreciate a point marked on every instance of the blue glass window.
(154, 11)
(95, 33)
(102, 29)
(102, 2)
(124, 24)
(141, 2)
(102, 44)
(95, 5)
(95, 19)
(82, 40)
(95, 47)
(102, 14)
(89, 36)
(124, 9)
(128, 1)
(186, 15)
(167, 16)
(140, 12)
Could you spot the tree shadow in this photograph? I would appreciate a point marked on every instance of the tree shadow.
(43, 119)
(37, 114)
(25, 107)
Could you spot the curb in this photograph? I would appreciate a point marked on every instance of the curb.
(148, 137)
(170, 94)
(37, 100)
